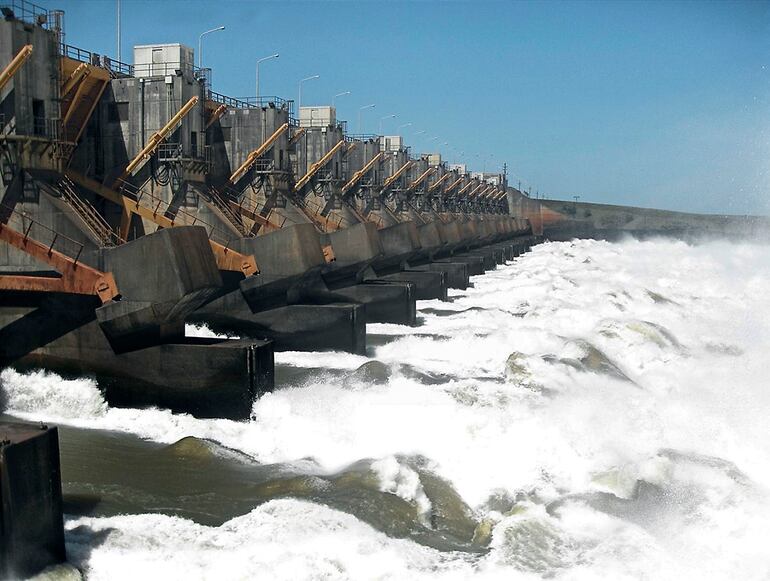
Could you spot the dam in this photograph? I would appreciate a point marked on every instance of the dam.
(211, 306)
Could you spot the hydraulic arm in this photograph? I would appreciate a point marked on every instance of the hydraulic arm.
(257, 153)
(439, 181)
(423, 176)
(362, 172)
(318, 165)
(399, 172)
(15, 64)
(157, 138)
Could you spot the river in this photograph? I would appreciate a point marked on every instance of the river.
(591, 410)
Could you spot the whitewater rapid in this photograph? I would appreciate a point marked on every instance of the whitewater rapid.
(600, 407)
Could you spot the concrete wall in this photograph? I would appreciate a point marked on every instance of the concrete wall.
(38, 77)
(359, 156)
(563, 220)
(132, 110)
(239, 132)
(313, 145)
(522, 206)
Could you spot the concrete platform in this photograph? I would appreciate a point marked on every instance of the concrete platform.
(323, 327)
(455, 273)
(386, 301)
(428, 284)
(204, 377)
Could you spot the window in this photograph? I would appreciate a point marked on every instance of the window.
(38, 117)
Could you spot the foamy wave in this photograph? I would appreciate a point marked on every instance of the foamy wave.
(47, 395)
(402, 481)
(283, 539)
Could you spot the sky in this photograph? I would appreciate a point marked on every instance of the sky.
(652, 104)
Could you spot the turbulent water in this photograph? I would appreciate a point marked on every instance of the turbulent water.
(591, 410)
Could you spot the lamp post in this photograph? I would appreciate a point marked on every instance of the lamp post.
(339, 95)
(299, 102)
(200, 43)
(267, 58)
(403, 125)
(392, 116)
(359, 114)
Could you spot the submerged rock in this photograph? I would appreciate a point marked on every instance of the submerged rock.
(515, 367)
(192, 448)
(370, 373)
(590, 359)
(659, 298)
(596, 361)
(658, 334)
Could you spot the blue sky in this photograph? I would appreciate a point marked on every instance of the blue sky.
(645, 103)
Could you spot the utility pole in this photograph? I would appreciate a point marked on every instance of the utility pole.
(117, 26)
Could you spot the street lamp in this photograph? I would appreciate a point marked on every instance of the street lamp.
(404, 125)
(420, 132)
(200, 43)
(267, 58)
(339, 95)
(299, 102)
(393, 116)
(359, 114)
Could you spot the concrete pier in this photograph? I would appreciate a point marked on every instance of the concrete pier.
(31, 524)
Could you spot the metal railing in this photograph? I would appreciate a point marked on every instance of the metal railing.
(116, 68)
(248, 203)
(272, 101)
(361, 137)
(93, 220)
(25, 11)
(253, 102)
(159, 207)
(32, 229)
(263, 164)
(174, 152)
(48, 128)
(165, 69)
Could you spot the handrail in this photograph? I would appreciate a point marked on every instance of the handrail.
(150, 207)
(253, 102)
(76, 277)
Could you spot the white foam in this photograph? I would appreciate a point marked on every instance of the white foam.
(688, 325)
(283, 539)
(204, 331)
(402, 481)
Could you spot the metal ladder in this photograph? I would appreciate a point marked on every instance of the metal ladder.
(222, 205)
(97, 225)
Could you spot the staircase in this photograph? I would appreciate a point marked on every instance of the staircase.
(88, 214)
(250, 208)
(223, 207)
(313, 211)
